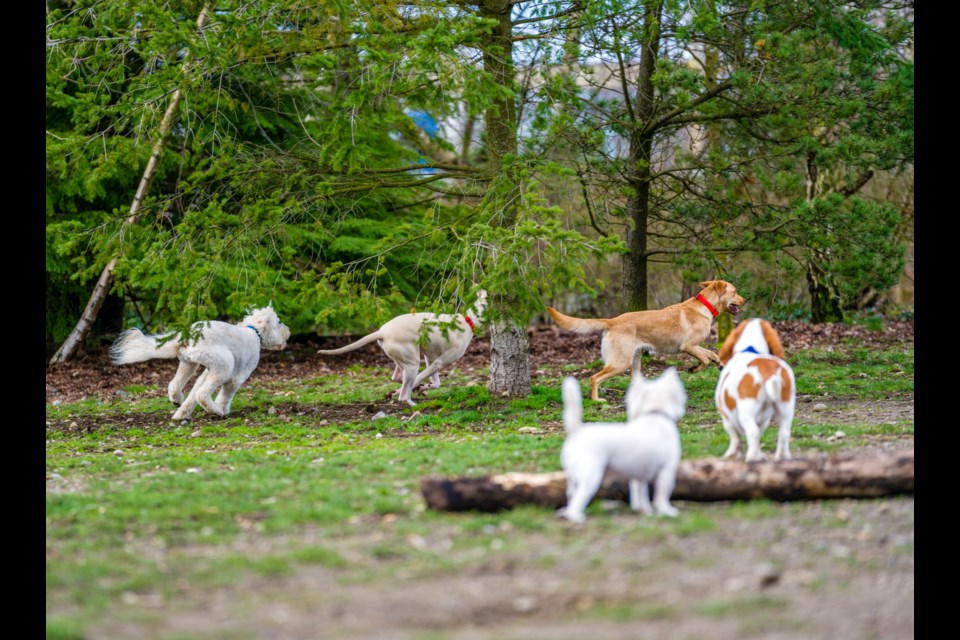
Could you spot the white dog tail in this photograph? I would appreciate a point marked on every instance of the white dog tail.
(362, 342)
(572, 404)
(773, 386)
(133, 346)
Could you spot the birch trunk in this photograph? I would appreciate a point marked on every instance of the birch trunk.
(76, 338)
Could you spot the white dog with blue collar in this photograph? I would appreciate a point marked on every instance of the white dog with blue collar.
(756, 385)
(229, 353)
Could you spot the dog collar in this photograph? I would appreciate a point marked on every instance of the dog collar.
(470, 322)
(250, 326)
(707, 305)
(750, 349)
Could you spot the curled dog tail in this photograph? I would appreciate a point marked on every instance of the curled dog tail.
(133, 346)
(362, 342)
(580, 325)
(572, 404)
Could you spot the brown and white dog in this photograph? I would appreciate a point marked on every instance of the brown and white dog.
(755, 385)
(679, 328)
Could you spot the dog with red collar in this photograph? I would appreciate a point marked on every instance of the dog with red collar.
(756, 386)
(679, 328)
(435, 339)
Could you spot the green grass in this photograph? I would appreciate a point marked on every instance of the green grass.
(136, 503)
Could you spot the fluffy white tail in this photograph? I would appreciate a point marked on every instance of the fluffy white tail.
(133, 346)
(572, 404)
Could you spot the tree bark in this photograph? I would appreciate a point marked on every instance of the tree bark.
(635, 277)
(509, 360)
(842, 475)
(509, 349)
(76, 338)
(824, 300)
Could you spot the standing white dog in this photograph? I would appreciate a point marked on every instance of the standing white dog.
(755, 385)
(230, 353)
(645, 449)
(401, 340)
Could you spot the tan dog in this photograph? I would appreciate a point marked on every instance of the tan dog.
(679, 328)
(413, 337)
(756, 384)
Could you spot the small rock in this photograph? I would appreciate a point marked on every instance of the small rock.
(121, 393)
(862, 374)
(73, 425)
(272, 410)
(524, 604)
(195, 434)
(819, 406)
(193, 470)
(56, 403)
(417, 542)
(378, 415)
(768, 574)
(378, 436)
(529, 430)
(118, 452)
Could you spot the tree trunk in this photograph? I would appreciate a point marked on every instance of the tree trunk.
(842, 475)
(509, 349)
(509, 360)
(824, 301)
(635, 278)
(76, 338)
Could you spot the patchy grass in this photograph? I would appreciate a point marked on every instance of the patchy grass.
(142, 509)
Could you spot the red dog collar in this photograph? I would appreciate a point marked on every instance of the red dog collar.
(470, 322)
(707, 305)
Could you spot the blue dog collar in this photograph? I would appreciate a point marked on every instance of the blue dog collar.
(250, 326)
(749, 349)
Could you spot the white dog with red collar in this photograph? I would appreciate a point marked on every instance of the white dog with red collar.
(437, 339)
(756, 385)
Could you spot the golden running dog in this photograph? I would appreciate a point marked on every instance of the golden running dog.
(679, 328)
(755, 385)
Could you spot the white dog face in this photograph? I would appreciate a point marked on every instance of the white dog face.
(273, 333)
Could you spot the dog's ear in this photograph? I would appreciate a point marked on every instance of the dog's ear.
(726, 351)
(773, 339)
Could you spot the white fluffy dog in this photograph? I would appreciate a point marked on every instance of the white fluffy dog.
(645, 449)
(406, 341)
(229, 352)
(755, 385)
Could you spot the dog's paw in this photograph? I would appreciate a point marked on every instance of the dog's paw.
(571, 516)
(668, 511)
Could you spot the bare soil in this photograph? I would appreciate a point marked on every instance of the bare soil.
(798, 571)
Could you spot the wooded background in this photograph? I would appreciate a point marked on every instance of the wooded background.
(346, 160)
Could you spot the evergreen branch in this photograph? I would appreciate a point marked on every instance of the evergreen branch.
(672, 115)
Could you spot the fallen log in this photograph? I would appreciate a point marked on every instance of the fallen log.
(840, 475)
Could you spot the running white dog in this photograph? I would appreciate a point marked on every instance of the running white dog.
(755, 385)
(645, 449)
(230, 353)
(403, 341)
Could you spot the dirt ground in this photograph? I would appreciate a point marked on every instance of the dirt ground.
(799, 571)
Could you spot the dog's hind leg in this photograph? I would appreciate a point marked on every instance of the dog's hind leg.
(184, 372)
(663, 489)
(785, 420)
(640, 496)
(584, 486)
(735, 441)
(434, 379)
(752, 432)
(187, 406)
